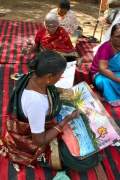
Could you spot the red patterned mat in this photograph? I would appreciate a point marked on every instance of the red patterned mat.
(14, 35)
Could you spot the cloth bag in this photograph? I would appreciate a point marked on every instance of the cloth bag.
(61, 176)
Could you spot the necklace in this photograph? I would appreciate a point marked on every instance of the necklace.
(37, 86)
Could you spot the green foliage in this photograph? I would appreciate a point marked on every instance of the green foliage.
(77, 101)
(91, 134)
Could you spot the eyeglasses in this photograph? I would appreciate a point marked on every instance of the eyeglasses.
(53, 27)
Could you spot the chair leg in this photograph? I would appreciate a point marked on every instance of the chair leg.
(102, 31)
(95, 28)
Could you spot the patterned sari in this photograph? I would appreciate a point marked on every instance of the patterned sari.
(18, 138)
(111, 89)
(60, 42)
(17, 141)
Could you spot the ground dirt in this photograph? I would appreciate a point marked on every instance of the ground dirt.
(35, 11)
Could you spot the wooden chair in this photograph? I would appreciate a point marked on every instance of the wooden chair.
(102, 21)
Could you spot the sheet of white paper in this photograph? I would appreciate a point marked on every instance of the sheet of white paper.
(67, 78)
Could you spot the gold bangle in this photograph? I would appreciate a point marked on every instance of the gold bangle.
(56, 128)
(28, 50)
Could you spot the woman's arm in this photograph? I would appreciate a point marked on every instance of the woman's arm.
(35, 109)
(103, 69)
(32, 49)
(73, 23)
(42, 139)
(36, 46)
(114, 5)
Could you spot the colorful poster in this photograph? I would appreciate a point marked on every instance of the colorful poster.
(94, 129)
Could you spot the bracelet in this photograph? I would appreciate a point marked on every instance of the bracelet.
(60, 126)
(28, 50)
(56, 128)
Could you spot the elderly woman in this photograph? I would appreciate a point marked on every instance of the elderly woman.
(32, 126)
(105, 69)
(54, 37)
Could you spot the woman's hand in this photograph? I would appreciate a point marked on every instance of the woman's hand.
(103, 69)
(78, 62)
(32, 49)
(25, 51)
(75, 114)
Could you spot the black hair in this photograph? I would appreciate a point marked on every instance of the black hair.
(46, 62)
(64, 4)
(114, 28)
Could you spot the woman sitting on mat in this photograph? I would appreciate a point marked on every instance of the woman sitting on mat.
(105, 69)
(54, 37)
(66, 17)
(33, 133)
